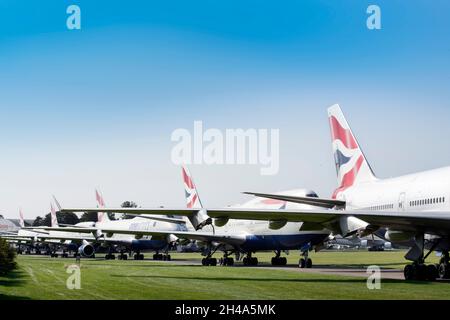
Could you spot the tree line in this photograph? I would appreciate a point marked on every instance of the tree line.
(72, 218)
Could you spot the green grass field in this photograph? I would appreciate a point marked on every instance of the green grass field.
(40, 277)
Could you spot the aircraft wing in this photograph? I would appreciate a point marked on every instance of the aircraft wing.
(137, 211)
(318, 202)
(164, 219)
(66, 229)
(195, 235)
(432, 222)
(44, 237)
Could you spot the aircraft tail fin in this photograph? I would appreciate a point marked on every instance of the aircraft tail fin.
(54, 219)
(21, 219)
(199, 219)
(101, 216)
(190, 191)
(352, 166)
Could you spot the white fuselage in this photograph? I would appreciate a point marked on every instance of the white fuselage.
(423, 191)
(134, 224)
(257, 235)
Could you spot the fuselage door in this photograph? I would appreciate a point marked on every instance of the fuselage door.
(402, 202)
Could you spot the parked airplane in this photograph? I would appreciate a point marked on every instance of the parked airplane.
(95, 233)
(414, 207)
(243, 237)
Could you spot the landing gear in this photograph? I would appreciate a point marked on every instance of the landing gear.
(421, 272)
(157, 256)
(65, 255)
(418, 270)
(110, 256)
(208, 261)
(122, 256)
(277, 260)
(249, 260)
(138, 256)
(54, 255)
(226, 260)
(305, 262)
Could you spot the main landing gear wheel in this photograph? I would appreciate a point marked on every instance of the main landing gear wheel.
(279, 261)
(157, 256)
(227, 261)
(138, 256)
(110, 256)
(420, 272)
(166, 257)
(122, 256)
(209, 261)
(305, 263)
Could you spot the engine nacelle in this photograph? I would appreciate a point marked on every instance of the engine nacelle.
(277, 224)
(220, 222)
(86, 250)
(398, 236)
(350, 225)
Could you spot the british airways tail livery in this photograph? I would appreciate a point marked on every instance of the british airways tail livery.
(351, 163)
(101, 216)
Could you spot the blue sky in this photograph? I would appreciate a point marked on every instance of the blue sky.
(95, 107)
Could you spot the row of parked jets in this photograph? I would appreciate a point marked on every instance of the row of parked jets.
(411, 210)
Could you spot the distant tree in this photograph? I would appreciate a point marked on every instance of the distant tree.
(128, 204)
(89, 216)
(38, 222)
(67, 218)
(7, 257)
(64, 218)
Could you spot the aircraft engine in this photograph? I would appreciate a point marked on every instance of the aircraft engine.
(398, 236)
(277, 224)
(86, 250)
(220, 222)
